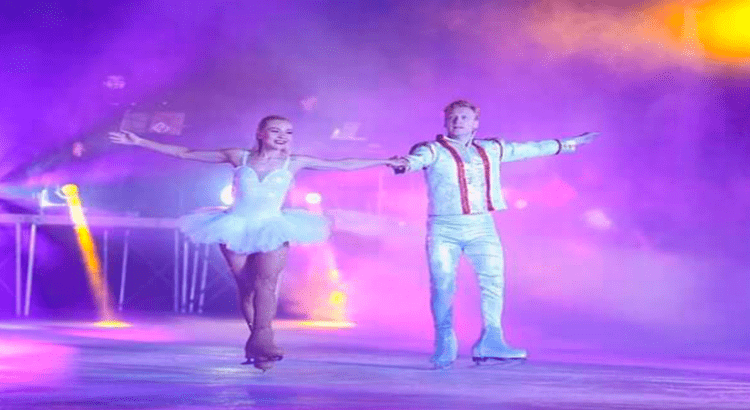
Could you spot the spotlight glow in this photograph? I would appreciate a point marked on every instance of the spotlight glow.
(337, 298)
(227, 195)
(44, 201)
(597, 219)
(313, 198)
(112, 324)
(333, 324)
(114, 82)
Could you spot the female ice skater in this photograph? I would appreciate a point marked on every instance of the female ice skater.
(254, 233)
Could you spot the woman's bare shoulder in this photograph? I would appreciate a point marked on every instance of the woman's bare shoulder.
(235, 155)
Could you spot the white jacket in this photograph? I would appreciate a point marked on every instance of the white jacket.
(466, 179)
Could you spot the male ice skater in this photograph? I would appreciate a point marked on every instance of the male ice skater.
(463, 181)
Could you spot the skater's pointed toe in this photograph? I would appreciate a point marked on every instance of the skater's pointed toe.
(517, 353)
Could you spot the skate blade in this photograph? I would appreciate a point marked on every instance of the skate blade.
(252, 360)
(497, 360)
(264, 365)
(265, 362)
(442, 366)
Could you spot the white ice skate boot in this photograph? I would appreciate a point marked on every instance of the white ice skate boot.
(492, 345)
(446, 349)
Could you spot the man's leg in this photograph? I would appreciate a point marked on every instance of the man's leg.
(485, 253)
(443, 254)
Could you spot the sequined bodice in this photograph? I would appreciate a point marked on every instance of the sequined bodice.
(255, 195)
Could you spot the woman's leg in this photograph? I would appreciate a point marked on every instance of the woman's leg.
(238, 265)
(264, 268)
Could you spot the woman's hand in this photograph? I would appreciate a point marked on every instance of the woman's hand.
(125, 138)
(398, 164)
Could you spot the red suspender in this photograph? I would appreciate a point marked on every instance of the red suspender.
(461, 175)
(487, 175)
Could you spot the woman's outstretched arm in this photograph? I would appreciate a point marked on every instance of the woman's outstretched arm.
(346, 164)
(129, 138)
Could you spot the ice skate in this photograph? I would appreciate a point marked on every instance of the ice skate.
(261, 351)
(492, 346)
(446, 350)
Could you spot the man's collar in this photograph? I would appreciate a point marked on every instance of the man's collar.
(456, 141)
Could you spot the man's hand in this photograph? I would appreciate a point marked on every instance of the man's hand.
(124, 138)
(570, 144)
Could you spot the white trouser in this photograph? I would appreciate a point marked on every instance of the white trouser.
(474, 235)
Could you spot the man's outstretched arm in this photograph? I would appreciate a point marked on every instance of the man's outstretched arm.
(420, 156)
(515, 151)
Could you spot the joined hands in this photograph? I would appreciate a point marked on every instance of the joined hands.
(398, 164)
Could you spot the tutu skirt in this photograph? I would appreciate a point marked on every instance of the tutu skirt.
(243, 233)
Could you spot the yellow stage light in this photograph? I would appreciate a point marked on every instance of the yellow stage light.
(90, 259)
(337, 298)
(723, 28)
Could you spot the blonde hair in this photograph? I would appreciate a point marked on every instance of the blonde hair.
(265, 120)
(460, 103)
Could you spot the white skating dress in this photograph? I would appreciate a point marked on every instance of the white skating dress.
(256, 222)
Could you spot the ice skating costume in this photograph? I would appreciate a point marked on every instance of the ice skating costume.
(463, 183)
(255, 222)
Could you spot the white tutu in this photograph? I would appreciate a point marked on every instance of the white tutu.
(254, 233)
(256, 222)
